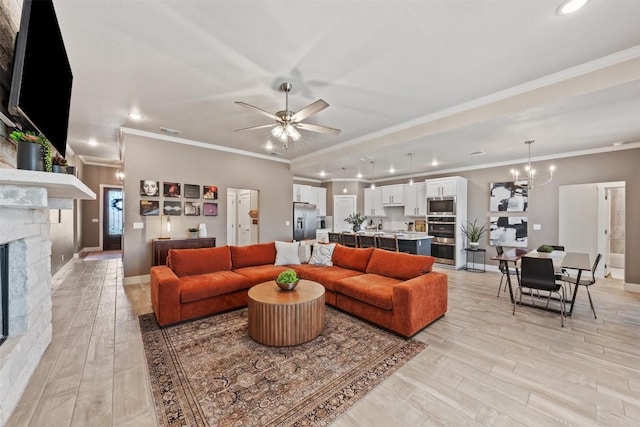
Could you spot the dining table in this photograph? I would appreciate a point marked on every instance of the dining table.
(562, 260)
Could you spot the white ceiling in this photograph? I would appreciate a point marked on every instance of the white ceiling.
(440, 79)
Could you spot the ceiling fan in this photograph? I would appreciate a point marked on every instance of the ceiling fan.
(288, 122)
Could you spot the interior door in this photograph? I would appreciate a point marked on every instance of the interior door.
(343, 206)
(231, 218)
(244, 220)
(112, 205)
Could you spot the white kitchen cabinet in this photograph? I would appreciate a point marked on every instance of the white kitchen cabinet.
(373, 202)
(415, 199)
(301, 193)
(393, 195)
(318, 197)
(444, 187)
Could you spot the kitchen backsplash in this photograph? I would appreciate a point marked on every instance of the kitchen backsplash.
(395, 219)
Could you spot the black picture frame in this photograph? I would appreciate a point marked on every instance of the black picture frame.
(149, 207)
(172, 208)
(192, 208)
(191, 191)
(210, 209)
(147, 186)
(171, 189)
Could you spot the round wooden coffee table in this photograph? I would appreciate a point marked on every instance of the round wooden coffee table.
(283, 318)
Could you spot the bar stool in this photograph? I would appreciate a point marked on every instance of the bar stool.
(365, 241)
(334, 237)
(388, 243)
(349, 239)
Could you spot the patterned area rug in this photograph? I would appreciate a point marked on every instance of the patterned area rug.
(210, 373)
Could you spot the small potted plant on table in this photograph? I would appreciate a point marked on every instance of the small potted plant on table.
(474, 233)
(287, 280)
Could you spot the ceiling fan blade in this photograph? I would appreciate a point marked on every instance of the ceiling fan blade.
(255, 127)
(318, 128)
(310, 109)
(261, 111)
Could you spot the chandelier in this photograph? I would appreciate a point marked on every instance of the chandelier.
(530, 173)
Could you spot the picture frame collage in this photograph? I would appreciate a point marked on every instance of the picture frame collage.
(199, 199)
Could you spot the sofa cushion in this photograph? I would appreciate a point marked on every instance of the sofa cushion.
(322, 253)
(372, 289)
(258, 254)
(187, 262)
(287, 253)
(398, 264)
(351, 258)
(327, 276)
(201, 286)
(260, 273)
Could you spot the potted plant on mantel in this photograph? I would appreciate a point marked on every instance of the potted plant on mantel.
(356, 219)
(59, 164)
(34, 151)
(473, 233)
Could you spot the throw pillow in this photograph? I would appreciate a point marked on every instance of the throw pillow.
(287, 253)
(304, 253)
(322, 254)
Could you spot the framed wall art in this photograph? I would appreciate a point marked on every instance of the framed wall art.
(192, 208)
(508, 231)
(191, 191)
(210, 192)
(508, 196)
(171, 189)
(172, 208)
(149, 187)
(149, 207)
(210, 209)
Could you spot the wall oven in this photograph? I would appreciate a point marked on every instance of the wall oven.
(441, 205)
(443, 244)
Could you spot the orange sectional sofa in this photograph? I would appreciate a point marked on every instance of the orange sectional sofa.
(394, 290)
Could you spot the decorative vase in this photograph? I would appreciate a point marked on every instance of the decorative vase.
(474, 245)
(356, 228)
(30, 156)
(58, 169)
(287, 286)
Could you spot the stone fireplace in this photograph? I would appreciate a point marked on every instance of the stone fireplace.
(25, 200)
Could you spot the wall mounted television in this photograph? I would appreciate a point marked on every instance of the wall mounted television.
(40, 95)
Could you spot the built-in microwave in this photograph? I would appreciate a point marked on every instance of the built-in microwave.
(441, 205)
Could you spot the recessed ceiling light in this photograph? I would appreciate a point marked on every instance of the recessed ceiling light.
(617, 143)
(168, 131)
(135, 116)
(359, 175)
(570, 6)
(392, 170)
(93, 142)
(434, 163)
(322, 173)
(269, 146)
(478, 153)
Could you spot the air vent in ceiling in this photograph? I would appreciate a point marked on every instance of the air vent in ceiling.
(171, 132)
(478, 153)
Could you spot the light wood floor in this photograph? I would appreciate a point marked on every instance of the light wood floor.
(482, 365)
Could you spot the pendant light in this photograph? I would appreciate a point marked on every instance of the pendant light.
(530, 172)
(373, 174)
(344, 180)
(411, 166)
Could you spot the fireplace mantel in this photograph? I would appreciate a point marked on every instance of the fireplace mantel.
(28, 189)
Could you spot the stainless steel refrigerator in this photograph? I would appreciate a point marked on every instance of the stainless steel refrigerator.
(304, 221)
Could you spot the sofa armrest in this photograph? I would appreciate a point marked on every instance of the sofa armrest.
(421, 300)
(165, 295)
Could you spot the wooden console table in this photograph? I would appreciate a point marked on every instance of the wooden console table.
(160, 248)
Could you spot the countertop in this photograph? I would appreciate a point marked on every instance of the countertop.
(402, 235)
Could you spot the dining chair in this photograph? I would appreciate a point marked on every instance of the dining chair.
(365, 241)
(348, 239)
(538, 274)
(587, 283)
(388, 243)
(334, 237)
(503, 266)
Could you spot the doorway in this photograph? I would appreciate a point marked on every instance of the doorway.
(343, 206)
(112, 205)
(242, 216)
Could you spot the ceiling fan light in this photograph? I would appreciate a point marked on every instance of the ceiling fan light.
(277, 131)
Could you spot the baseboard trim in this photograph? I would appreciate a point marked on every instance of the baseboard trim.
(91, 249)
(631, 287)
(134, 280)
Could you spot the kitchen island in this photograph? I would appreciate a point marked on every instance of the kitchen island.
(408, 241)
